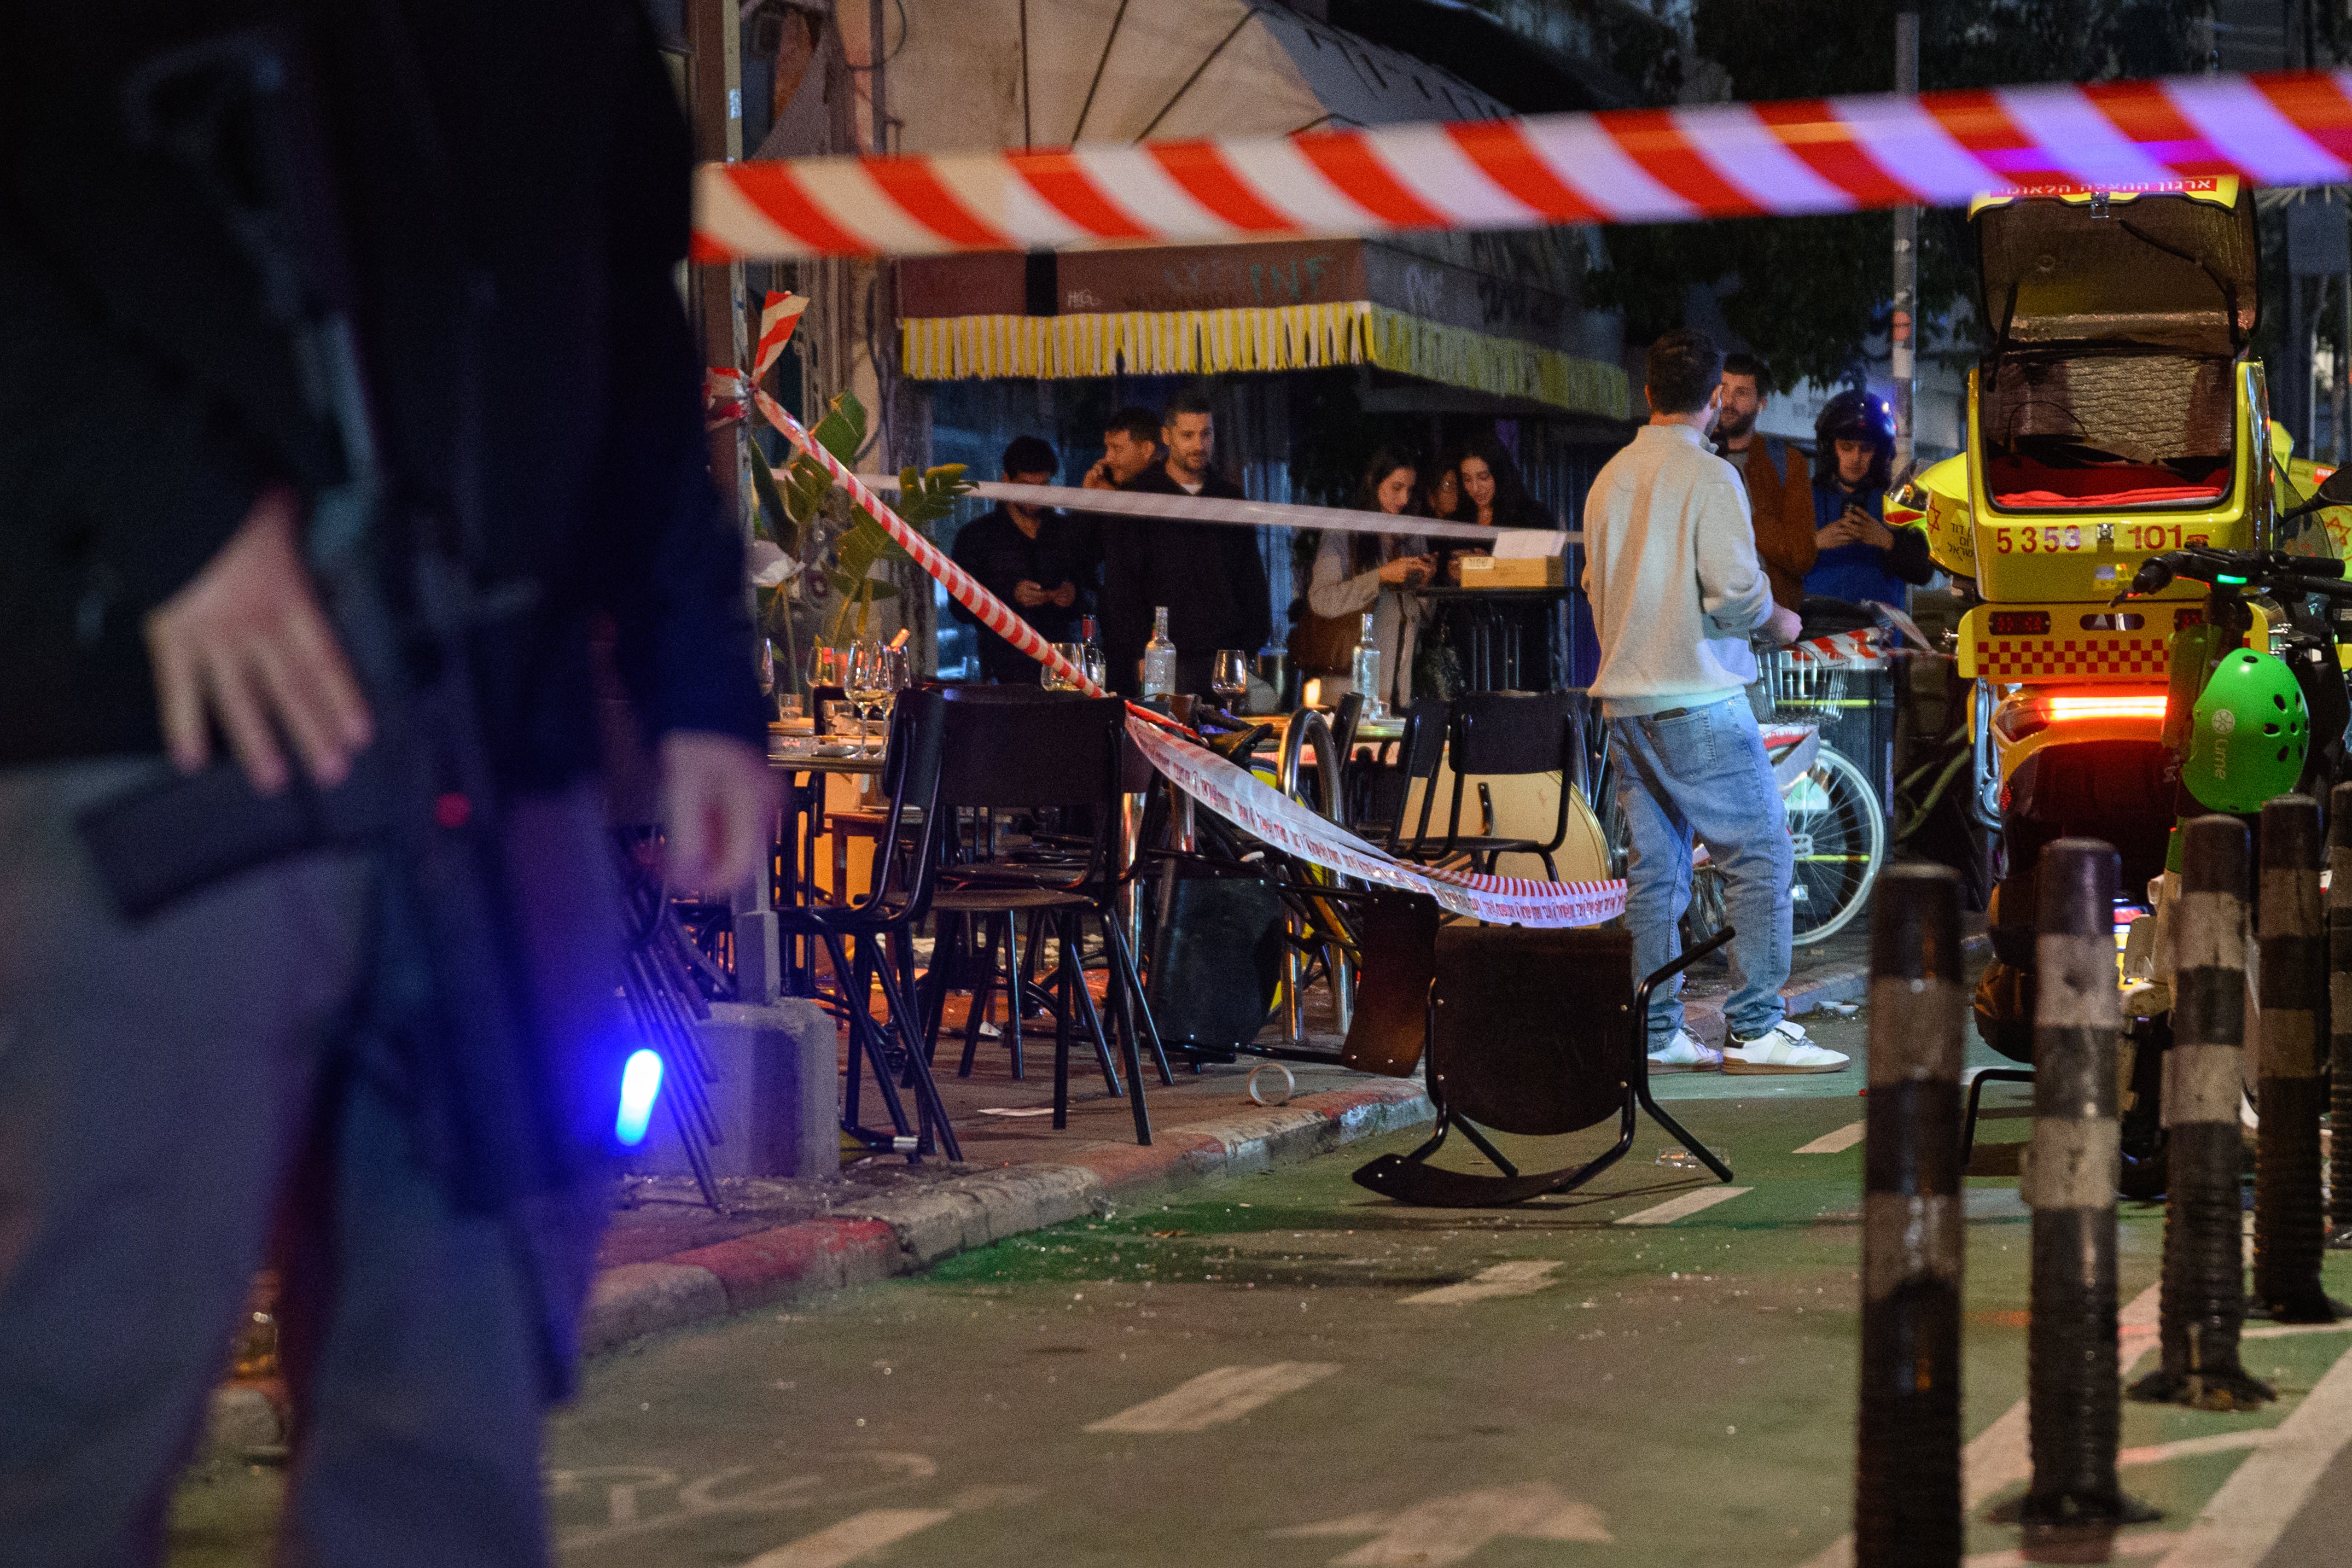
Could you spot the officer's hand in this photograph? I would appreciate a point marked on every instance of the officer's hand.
(245, 643)
(719, 810)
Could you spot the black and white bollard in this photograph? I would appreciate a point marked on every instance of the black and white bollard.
(2339, 1014)
(2075, 1405)
(2204, 1299)
(1907, 1468)
(2290, 1216)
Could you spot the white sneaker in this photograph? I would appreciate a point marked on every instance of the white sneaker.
(1783, 1047)
(1684, 1053)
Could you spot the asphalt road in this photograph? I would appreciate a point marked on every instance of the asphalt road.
(1288, 1371)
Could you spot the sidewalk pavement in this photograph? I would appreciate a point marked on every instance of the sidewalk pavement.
(669, 1261)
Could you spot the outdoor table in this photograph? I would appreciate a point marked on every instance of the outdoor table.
(794, 757)
(1488, 628)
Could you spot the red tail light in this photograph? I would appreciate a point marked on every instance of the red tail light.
(2017, 720)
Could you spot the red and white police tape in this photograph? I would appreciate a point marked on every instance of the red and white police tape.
(1257, 807)
(1645, 165)
(1230, 791)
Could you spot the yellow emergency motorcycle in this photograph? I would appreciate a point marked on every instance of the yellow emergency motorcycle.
(2116, 417)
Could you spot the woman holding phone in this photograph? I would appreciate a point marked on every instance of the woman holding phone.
(1357, 572)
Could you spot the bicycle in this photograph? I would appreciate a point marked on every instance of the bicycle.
(1835, 817)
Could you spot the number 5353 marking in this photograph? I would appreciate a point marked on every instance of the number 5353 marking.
(2051, 540)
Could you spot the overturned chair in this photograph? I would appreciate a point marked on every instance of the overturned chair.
(1536, 1033)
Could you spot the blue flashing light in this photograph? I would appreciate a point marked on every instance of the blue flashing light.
(640, 1082)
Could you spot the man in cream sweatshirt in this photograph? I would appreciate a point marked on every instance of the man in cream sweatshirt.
(1676, 592)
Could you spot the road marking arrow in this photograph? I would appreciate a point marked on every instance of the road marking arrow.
(1449, 1529)
(1683, 1207)
(1215, 1398)
(1521, 1277)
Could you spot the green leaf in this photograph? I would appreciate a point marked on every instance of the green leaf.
(842, 431)
(776, 519)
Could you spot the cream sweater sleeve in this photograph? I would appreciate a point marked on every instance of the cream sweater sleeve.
(1331, 593)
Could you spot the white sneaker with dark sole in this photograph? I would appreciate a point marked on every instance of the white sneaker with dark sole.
(1783, 1047)
(1684, 1053)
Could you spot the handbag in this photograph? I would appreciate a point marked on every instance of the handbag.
(1323, 644)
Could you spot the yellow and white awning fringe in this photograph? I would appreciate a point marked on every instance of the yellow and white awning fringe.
(1274, 338)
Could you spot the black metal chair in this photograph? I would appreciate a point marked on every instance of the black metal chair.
(1031, 755)
(1387, 787)
(1495, 735)
(1504, 1052)
(881, 925)
(998, 954)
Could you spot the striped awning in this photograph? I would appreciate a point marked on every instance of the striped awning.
(1270, 338)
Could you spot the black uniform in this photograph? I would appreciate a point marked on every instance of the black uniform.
(1210, 577)
(511, 177)
(996, 552)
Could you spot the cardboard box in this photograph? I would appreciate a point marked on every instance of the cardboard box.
(1526, 571)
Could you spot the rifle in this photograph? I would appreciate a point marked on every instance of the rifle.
(235, 113)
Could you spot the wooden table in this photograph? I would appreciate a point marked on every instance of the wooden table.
(1367, 730)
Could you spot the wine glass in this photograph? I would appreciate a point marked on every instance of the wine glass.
(877, 673)
(829, 667)
(1075, 652)
(1230, 679)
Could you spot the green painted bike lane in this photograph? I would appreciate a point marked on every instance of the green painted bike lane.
(1287, 1370)
(1684, 1390)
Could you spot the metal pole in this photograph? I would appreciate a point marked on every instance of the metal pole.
(2075, 1411)
(2339, 1013)
(2204, 1269)
(2290, 1222)
(1903, 330)
(1906, 1510)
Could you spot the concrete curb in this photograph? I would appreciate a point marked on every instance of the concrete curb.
(877, 1237)
(874, 1238)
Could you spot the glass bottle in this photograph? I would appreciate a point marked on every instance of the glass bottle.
(1097, 668)
(1158, 660)
(1364, 671)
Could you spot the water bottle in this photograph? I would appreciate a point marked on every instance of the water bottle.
(1158, 660)
(1364, 671)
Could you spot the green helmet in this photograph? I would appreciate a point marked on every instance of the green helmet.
(2252, 731)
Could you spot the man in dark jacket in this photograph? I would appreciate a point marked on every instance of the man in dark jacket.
(1208, 576)
(509, 187)
(1030, 557)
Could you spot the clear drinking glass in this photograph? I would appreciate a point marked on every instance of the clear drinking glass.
(829, 668)
(1230, 678)
(877, 673)
(1075, 652)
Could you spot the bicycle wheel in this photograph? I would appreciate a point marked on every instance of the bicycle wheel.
(1840, 830)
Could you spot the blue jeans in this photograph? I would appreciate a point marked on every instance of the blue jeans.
(1703, 775)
